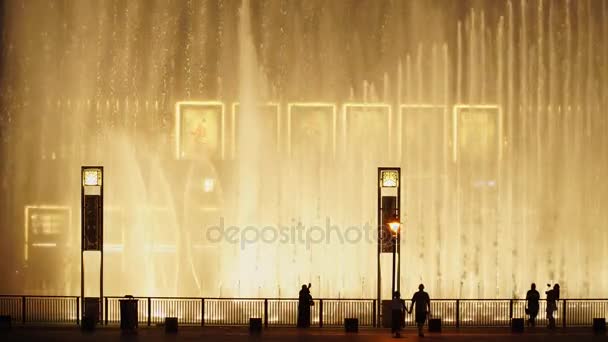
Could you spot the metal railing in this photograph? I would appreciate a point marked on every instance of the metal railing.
(325, 312)
(336, 310)
(41, 309)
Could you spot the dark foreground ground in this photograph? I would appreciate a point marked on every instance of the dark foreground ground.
(289, 334)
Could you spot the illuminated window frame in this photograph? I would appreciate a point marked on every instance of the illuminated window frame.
(26, 212)
(108, 244)
(233, 125)
(455, 112)
(388, 110)
(178, 124)
(401, 120)
(290, 107)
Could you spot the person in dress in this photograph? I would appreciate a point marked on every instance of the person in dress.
(532, 301)
(397, 314)
(304, 303)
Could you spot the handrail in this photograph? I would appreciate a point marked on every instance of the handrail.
(204, 311)
(237, 298)
(318, 298)
(36, 296)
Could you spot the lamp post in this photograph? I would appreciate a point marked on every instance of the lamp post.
(91, 212)
(395, 227)
(389, 210)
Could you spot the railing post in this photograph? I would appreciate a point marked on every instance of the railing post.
(564, 314)
(510, 310)
(457, 313)
(374, 314)
(320, 313)
(77, 310)
(202, 312)
(149, 311)
(23, 309)
(266, 313)
(105, 305)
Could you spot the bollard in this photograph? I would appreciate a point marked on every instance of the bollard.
(88, 323)
(5, 323)
(171, 325)
(599, 325)
(351, 325)
(517, 325)
(435, 325)
(255, 325)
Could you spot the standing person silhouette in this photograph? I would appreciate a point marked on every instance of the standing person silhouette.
(423, 307)
(397, 314)
(532, 298)
(304, 303)
(552, 297)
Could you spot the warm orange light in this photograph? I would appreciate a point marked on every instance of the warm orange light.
(395, 226)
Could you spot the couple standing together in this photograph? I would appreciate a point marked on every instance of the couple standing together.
(532, 301)
(398, 309)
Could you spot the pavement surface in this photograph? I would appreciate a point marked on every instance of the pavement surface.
(220, 334)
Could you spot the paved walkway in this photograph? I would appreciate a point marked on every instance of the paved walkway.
(289, 334)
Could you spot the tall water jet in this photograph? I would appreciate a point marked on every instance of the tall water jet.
(251, 149)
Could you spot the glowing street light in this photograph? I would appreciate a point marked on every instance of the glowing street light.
(91, 177)
(389, 178)
(395, 226)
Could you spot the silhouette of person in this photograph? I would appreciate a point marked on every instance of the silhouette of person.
(532, 298)
(552, 297)
(397, 313)
(304, 303)
(423, 307)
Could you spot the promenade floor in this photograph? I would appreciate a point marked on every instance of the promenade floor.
(229, 334)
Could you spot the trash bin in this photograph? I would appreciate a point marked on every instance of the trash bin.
(351, 325)
(5, 322)
(128, 313)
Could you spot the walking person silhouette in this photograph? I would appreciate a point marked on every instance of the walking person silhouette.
(552, 297)
(423, 308)
(532, 299)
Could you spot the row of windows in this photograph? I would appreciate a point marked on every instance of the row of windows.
(320, 128)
